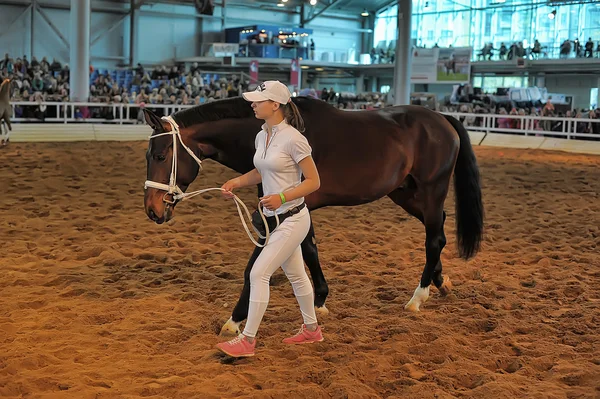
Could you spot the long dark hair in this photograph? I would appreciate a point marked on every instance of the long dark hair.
(292, 116)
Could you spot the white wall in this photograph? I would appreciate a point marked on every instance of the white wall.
(16, 40)
(578, 86)
(47, 43)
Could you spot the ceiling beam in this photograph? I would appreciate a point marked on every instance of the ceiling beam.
(327, 7)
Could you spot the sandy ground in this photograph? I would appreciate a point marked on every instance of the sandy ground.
(99, 302)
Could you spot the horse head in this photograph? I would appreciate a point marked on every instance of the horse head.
(5, 88)
(169, 168)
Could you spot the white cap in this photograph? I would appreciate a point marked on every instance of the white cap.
(270, 90)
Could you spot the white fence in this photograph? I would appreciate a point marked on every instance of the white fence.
(66, 112)
(560, 127)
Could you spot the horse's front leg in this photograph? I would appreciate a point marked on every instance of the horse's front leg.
(240, 312)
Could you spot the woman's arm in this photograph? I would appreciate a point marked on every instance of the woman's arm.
(251, 178)
(311, 182)
(248, 179)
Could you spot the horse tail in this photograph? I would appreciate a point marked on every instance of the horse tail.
(467, 191)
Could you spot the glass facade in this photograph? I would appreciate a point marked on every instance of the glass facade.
(476, 23)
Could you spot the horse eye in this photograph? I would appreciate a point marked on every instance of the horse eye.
(159, 157)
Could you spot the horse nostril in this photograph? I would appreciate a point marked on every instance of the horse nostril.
(153, 215)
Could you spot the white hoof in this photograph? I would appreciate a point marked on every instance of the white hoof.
(419, 297)
(230, 329)
(323, 311)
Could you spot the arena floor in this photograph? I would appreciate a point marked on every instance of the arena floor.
(99, 302)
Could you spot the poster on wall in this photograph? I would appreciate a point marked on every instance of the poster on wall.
(423, 65)
(453, 65)
(253, 71)
(295, 74)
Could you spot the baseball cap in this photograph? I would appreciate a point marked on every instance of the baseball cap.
(270, 90)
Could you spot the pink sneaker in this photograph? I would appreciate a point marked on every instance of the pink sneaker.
(305, 337)
(238, 347)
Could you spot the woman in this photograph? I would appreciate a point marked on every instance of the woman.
(282, 156)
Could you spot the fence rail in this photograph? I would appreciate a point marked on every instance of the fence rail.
(57, 112)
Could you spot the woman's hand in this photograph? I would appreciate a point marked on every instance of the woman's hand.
(229, 186)
(271, 202)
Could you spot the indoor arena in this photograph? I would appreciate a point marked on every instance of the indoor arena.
(118, 282)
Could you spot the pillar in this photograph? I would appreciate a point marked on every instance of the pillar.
(403, 60)
(80, 50)
(540, 80)
(531, 80)
(360, 84)
(598, 94)
(372, 84)
(32, 38)
(132, 27)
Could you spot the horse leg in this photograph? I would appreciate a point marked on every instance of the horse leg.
(310, 254)
(443, 284)
(240, 311)
(7, 128)
(2, 123)
(434, 243)
(435, 240)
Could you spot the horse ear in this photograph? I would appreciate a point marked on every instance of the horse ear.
(153, 121)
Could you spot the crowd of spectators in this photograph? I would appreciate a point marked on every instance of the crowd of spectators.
(547, 110)
(42, 81)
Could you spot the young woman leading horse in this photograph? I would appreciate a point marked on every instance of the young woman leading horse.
(405, 152)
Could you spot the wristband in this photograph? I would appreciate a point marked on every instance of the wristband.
(282, 198)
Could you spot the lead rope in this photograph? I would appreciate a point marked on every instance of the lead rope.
(179, 195)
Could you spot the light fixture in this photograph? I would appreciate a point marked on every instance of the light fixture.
(284, 1)
(365, 13)
(305, 67)
(279, 4)
(552, 15)
(319, 69)
(313, 2)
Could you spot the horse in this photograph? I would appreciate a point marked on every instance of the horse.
(407, 153)
(5, 111)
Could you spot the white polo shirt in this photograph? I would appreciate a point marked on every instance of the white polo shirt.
(278, 163)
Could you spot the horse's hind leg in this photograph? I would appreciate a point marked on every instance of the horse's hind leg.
(431, 213)
(310, 254)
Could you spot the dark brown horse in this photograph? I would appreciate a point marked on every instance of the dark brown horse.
(405, 152)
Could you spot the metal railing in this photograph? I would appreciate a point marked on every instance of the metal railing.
(71, 112)
(562, 127)
(57, 112)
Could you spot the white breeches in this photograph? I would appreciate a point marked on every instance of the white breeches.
(282, 250)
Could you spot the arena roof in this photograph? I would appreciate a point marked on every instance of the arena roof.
(331, 5)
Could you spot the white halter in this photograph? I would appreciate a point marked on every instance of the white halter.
(173, 189)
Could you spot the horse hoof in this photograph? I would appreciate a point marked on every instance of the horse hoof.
(446, 287)
(323, 311)
(412, 306)
(419, 297)
(230, 329)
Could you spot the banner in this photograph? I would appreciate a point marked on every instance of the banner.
(295, 74)
(454, 65)
(424, 65)
(224, 49)
(253, 71)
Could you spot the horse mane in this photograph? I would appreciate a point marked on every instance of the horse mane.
(228, 108)
(237, 108)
